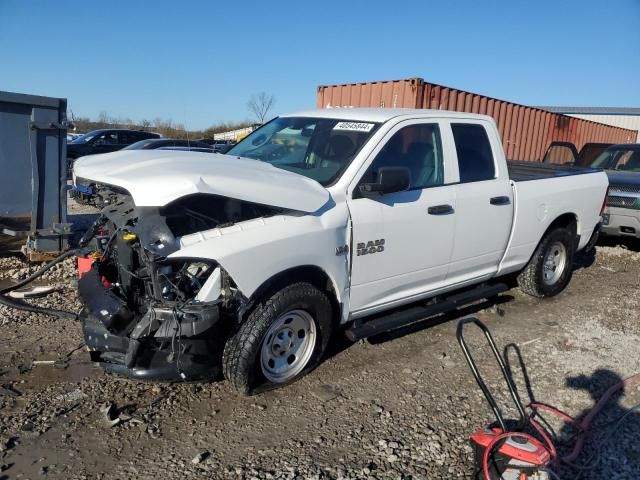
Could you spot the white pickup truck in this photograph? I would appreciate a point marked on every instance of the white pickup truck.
(364, 219)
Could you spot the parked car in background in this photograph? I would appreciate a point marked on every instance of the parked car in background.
(371, 219)
(72, 136)
(566, 153)
(170, 144)
(622, 214)
(103, 141)
(88, 192)
(219, 146)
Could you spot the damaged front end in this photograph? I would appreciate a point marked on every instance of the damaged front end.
(151, 316)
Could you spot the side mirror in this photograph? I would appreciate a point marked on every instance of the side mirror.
(389, 180)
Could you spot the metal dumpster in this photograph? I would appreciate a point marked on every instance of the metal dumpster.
(33, 208)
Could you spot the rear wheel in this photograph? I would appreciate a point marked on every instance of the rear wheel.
(282, 339)
(550, 269)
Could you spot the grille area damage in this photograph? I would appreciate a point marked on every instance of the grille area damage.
(149, 316)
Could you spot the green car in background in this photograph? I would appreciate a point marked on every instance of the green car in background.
(622, 214)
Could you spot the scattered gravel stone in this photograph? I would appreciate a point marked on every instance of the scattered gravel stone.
(400, 409)
(201, 457)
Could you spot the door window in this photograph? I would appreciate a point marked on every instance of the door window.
(417, 147)
(475, 160)
(126, 138)
(561, 153)
(107, 138)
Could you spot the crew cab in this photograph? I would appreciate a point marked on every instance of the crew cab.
(365, 220)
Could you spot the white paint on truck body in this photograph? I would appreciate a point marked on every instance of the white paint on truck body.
(422, 254)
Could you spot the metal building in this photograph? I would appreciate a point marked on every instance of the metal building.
(618, 117)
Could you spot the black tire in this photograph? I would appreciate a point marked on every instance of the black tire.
(241, 357)
(531, 279)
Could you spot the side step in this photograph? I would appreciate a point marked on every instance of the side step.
(409, 315)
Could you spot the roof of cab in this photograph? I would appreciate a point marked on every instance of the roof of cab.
(382, 114)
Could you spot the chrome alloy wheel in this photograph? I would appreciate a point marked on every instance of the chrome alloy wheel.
(288, 346)
(554, 263)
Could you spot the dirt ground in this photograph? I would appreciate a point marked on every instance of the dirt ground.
(398, 407)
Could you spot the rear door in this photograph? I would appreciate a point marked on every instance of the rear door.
(402, 241)
(484, 203)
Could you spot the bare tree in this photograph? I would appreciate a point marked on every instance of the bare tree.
(103, 117)
(260, 105)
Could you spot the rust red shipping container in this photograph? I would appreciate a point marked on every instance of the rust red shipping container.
(526, 131)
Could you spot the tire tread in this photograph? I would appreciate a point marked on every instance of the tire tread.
(239, 355)
(530, 278)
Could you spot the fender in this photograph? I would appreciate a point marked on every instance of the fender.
(257, 251)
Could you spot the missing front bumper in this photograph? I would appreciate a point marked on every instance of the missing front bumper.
(164, 344)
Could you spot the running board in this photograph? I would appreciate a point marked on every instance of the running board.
(409, 315)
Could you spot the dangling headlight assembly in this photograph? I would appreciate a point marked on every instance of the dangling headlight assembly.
(180, 281)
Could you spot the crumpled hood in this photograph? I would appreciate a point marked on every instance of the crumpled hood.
(156, 178)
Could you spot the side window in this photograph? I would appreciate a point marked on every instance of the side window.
(417, 147)
(98, 139)
(562, 154)
(130, 137)
(475, 160)
(126, 138)
(107, 138)
(111, 138)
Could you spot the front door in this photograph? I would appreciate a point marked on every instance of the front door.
(402, 242)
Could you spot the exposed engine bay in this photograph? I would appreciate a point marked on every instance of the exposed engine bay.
(148, 315)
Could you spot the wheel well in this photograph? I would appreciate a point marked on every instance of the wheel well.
(566, 220)
(304, 273)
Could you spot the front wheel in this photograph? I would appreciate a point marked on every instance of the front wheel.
(282, 339)
(550, 269)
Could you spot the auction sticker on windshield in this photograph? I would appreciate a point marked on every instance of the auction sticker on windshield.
(354, 126)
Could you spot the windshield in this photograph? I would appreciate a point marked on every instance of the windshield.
(318, 148)
(622, 159)
(86, 137)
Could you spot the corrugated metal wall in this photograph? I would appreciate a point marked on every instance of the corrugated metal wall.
(389, 94)
(632, 122)
(526, 131)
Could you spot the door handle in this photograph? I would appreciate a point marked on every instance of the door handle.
(440, 210)
(504, 200)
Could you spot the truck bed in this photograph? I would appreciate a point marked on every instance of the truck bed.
(562, 190)
(524, 171)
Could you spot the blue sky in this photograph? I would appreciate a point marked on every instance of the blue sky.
(198, 62)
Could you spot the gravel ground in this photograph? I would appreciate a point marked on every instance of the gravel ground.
(396, 408)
